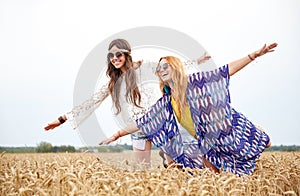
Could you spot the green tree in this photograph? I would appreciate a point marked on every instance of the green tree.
(43, 147)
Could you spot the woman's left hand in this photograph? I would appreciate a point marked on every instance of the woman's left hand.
(265, 49)
(137, 64)
(203, 58)
(113, 138)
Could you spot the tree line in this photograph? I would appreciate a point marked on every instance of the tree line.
(45, 147)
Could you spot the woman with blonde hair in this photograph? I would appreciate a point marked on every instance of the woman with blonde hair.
(200, 102)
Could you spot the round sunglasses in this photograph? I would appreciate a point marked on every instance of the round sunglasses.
(163, 66)
(118, 54)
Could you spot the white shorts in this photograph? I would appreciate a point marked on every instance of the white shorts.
(139, 144)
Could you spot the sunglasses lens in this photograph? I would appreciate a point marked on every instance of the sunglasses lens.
(164, 66)
(118, 54)
(158, 68)
(110, 55)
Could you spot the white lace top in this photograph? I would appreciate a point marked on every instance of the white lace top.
(148, 84)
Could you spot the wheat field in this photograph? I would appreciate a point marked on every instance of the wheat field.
(277, 173)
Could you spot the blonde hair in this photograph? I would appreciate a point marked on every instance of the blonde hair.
(179, 80)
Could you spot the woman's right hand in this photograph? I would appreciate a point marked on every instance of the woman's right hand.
(52, 125)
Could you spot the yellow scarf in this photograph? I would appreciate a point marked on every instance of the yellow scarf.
(186, 122)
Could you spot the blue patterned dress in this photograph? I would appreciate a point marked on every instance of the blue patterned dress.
(225, 137)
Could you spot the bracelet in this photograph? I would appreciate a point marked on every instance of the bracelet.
(252, 59)
(61, 120)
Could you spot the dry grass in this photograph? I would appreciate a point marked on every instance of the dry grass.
(277, 173)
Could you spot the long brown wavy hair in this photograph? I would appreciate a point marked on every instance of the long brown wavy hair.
(179, 78)
(132, 92)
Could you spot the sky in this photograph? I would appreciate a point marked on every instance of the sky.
(44, 43)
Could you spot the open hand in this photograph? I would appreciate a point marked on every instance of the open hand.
(265, 49)
(52, 125)
(203, 58)
(137, 64)
(110, 139)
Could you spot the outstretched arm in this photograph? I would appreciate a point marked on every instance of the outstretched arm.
(56, 123)
(80, 112)
(239, 64)
(129, 129)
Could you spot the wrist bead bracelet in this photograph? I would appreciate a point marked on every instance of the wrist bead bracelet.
(250, 57)
(61, 120)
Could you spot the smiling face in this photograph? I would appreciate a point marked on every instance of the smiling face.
(117, 58)
(164, 71)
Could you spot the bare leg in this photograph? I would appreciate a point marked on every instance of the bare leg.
(143, 156)
(208, 164)
(167, 160)
(162, 155)
(172, 163)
